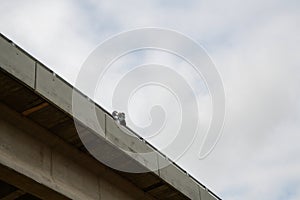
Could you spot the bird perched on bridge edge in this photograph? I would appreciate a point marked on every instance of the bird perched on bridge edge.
(119, 117)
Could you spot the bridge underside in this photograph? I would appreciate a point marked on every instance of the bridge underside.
(42, 156)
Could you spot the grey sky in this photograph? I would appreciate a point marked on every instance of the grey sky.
(254, 45)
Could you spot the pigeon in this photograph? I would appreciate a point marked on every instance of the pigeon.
(115, 115)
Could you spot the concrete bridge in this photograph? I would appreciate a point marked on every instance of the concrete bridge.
(42, 157)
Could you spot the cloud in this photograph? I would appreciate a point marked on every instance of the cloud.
(261, 78)
(255, 46)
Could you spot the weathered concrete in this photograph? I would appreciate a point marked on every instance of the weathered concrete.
(27, 184)
(65, 172)
(131, 144)
(14, 195)
(11, 58)
(60, 93)
(179, 179)
(40, 160)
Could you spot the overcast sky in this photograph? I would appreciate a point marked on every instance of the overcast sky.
(255, 45)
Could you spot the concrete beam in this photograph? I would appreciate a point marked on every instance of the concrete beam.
(51, 163)
(131, 144)
(25, 183)
(60, 93)
(13, 195)
(180, 180)
(16, 62)
(55, 89)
